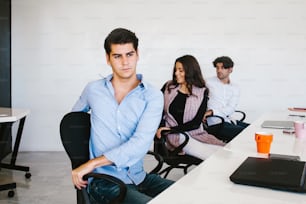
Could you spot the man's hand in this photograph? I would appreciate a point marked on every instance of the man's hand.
(78, 173)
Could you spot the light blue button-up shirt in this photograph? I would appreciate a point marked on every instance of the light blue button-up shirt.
(121, 132)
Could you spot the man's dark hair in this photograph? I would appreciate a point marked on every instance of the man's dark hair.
(120, 36)
(227, 62)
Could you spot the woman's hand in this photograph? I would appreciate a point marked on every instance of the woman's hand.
(207, 113)
(158, 133)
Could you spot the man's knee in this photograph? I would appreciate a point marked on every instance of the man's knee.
(103, 191)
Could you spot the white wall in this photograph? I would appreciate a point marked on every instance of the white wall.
(57, 47)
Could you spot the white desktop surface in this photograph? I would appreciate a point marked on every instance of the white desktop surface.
(282, 143)
(209, 182)
(12, 114)
(7, 117)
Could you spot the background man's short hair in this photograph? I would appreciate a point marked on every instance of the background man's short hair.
(227, 62)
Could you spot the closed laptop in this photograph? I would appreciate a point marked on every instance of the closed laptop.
(273, 173)
(278, 124)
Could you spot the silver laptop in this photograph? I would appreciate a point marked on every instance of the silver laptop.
(278, 124)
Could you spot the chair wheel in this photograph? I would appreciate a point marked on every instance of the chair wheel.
(11, 194)
(28, 175)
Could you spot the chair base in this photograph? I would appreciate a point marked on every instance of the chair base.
(169, 168)
(10, 187)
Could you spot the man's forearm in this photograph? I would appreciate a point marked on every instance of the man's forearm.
(100, 161)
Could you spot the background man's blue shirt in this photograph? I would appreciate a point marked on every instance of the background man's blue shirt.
(121, 132)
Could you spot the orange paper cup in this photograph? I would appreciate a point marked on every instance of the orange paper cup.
(263, 141)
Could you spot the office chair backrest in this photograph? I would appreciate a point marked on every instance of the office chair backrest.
(75, 133)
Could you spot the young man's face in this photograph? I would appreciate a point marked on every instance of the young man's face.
(222, 73)
(123, 60)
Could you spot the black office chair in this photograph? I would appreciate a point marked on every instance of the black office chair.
(218, 130)
(75, 133)
(9, 187)
(214, 129)
(174, 158)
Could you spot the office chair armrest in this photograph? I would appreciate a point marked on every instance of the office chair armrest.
(220, 124)
(112, 179)
(160, 162)
(216, 116)
(243, 115)
(178, 149)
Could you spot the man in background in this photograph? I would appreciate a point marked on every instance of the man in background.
(224, 98)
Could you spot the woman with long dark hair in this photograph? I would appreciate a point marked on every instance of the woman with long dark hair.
(185, 104)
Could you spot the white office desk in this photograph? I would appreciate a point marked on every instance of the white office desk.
(282, 143)
(12, 114)
(209, 182)
(8, 116)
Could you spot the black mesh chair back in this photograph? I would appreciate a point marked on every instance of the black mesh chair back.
(75, 134)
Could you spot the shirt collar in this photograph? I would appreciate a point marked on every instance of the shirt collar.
(229, 82)
(139, 77)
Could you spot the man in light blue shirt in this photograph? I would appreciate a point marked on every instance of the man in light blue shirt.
(125, 114)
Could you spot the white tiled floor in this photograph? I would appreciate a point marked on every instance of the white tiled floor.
(50, 182)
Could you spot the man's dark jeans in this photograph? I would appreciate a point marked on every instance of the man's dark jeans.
(102, 191)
